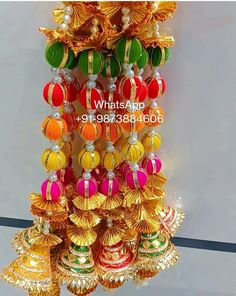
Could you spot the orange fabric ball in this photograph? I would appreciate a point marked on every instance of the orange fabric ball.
(111, 131)
(54, 129)
(90, 131)
(71, 120)
(153, 116)
(133, 121)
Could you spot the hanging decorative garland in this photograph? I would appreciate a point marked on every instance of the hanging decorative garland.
(108, 224)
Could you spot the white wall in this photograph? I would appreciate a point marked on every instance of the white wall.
(198, 136)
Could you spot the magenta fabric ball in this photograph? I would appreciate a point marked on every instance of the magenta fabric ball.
(86, 188)
(152, 166)
(136, 179)
(52, 190)
(109, 187)
(65, 175)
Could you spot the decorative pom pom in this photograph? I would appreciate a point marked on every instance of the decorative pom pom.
(109, 187)
(90, 131)
(152, 166)
(90, 62)
(88, 159)
(151, 144)
(144, 92)
(65, 175)
(113, 98)
(133, 121)
(86, 188)
(158, 56)
(155, 116)
(72, 89)
(55, 94)
(156, 87)
(52, 190)
(71, 121)
(58, 55)
(53, 160)
(112, 67)
(130, 87)
(91, 98)
(128, 50)
(54, 128)
(110, 160)
(136, 179)
(111, 131)
(133, 152)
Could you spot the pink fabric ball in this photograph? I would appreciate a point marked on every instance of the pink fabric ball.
(109, 187)
(52, 190)
(136, 179)
(86, 188)
(152, 166)
(65, 175)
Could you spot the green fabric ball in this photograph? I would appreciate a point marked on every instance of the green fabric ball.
(72, 61)
(158, 56)
(143, 60)
(90, 62)
(57, 54)
(112, 66)
(128, 50)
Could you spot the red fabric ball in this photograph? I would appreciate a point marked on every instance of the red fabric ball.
(156, 87)
(55, 94)
(112, 98)
(90, 97)
(144, 92)
(71, 91)
(129, 88)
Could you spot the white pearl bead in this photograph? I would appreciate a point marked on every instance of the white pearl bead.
(66, 138)
(125, 26)
(86, 175)
(133, 139)
(112, 80)
(63, 26)
(89, 148)
(68, 10)
(151, 155)
(55, 148)
(130, 73)
(91, 117)
(94, 29)
(154, 104)
(56, 114)
(157, 34)
(155, 6)
(125, 10)
(55, 71)
(156, 27)
(152, 133)
(68, 108)
(110, 174)
(95, 21)
(46, 231)
(134, 167)
(127, 67)
(111, 87)
(110, 148)
(57, 79)
(93, 77)
(67, 19)
(91, 84)
(52, 178)
(156, 73)
(91, 111)
(125, 19)
(69, 78)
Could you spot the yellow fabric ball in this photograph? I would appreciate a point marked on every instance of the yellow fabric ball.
(133, 152)
(151, 144)
(110, 160)
(88, 159)
(53, 160)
